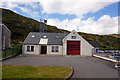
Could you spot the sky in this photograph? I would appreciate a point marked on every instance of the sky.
(95, 16)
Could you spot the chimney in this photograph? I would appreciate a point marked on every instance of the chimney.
(43, 25)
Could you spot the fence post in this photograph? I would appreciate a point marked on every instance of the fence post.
(12, 47)
(5, 54)
(12, 50)
(17, 49)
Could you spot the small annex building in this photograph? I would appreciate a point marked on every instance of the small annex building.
(57, 44)
(5, 37)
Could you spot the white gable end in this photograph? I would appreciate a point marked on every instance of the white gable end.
(85, 47)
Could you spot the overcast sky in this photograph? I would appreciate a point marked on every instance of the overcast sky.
(96, 17)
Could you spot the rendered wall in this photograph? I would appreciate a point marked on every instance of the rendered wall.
(36, 49)
(86, 48)
(49, 50)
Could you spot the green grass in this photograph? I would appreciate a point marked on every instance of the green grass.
(33, 72)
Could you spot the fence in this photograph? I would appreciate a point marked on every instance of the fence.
(15, 50)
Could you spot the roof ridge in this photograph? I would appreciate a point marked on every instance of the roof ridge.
(48, 32)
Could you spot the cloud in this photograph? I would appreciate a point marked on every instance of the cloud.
(78, 8)
(31, 13)
(8, 5)
(70, 7)
(27, 7)
(24, 9)
(104, 25)
(59, 0)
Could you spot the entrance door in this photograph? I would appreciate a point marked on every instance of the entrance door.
(43, 49)
(73, 47)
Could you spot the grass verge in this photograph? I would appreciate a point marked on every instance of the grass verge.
(35, 72)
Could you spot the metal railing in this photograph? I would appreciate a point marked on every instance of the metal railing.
(14, 50)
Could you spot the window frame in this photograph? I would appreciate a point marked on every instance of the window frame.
(30, 49)
(73, 37)
(52, 49)
(55, 49)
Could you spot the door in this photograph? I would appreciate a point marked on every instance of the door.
(73, 47)
(43, 49)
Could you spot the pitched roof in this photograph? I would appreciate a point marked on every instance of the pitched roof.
(2, 25)
(53, 38)
(94, 43)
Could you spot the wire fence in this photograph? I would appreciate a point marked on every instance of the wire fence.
(14, 50)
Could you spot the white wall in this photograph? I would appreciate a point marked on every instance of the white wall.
(49, 50)
(86, 48)
(94, 49)
(36, 49)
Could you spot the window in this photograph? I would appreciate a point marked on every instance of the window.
(52, 48)
(30, 48)
(55, 49)
(73, 37)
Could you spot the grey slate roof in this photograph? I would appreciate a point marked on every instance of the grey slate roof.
(94, 43)
(52, 40)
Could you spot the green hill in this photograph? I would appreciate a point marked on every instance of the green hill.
(105, 41)
(20, 26)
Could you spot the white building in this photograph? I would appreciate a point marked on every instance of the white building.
(57, 44)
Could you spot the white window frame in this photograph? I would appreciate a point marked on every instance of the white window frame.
(55, 49)
(30, 48)
(73, 37)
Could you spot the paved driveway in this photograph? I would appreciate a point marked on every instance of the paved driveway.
(84, 67)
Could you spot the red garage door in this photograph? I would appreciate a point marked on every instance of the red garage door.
(73, 47)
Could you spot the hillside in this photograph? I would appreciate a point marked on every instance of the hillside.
(20, 26)
(115, 35)
(105, 41)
